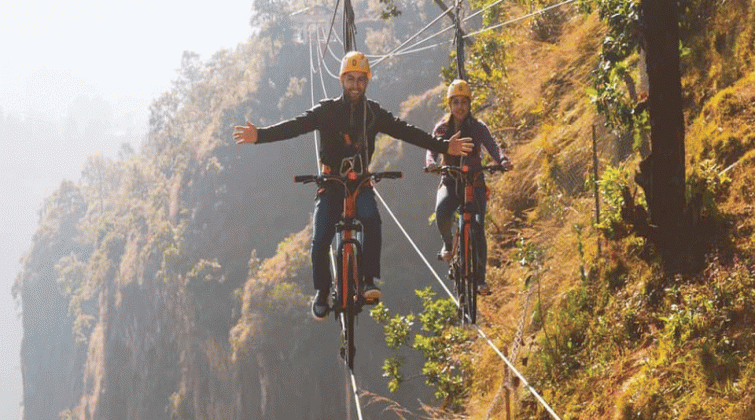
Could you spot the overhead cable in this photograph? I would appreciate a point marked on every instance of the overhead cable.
(543, 10)
(390, 54)
(332, 22)
(349, 28)
(414, 48)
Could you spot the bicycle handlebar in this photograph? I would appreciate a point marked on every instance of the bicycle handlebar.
(359, 178)
(464, 169)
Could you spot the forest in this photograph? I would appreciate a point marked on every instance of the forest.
(174, 282)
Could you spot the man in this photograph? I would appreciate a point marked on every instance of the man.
(348, 126)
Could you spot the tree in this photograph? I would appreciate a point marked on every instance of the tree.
(660, 36)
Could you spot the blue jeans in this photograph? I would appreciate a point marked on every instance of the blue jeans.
(447, 200)
(328, 211)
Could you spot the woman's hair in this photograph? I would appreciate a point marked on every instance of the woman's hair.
(448, 120)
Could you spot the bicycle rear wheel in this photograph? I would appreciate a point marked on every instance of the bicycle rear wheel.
(469, 270)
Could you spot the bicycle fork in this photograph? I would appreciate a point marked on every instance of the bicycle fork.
(350, 260)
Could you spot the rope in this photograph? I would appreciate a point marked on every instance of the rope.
(332, 22)
(543, 10)
(321, 65)
(356, 396)
(414, 245)
(390, 54)
(516, 345)
(459, 40)
(312, 100)
(349, 28)
(413, 48)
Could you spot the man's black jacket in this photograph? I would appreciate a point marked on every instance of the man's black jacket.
(340, 122)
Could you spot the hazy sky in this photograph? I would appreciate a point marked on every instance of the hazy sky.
(121, 53)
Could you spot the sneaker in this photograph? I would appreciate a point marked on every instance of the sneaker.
(320, 306)
(445, 254)
(371, 291)
(483, 289)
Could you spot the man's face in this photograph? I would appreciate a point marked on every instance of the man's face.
(354, 84)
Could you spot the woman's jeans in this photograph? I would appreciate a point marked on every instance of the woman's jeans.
(328, 211)
(447, 201)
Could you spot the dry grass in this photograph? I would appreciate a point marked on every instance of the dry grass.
(553, 122)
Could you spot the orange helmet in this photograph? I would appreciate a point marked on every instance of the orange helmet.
(459, 87)
(355, 61)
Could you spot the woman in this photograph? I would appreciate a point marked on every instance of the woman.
(460, 119)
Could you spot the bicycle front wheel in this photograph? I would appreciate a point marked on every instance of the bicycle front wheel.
(349, 314)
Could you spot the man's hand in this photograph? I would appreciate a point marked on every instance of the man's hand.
(459, 146)
(506, 163)
(245, 133)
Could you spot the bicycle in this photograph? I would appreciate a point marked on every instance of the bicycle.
(348, 299)
(465, 267)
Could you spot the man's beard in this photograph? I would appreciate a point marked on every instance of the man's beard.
(347, 95)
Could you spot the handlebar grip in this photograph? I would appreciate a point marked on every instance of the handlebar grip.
(494, 168)
(392, 174)
(305, 178)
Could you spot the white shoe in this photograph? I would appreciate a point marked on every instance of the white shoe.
(445, 254)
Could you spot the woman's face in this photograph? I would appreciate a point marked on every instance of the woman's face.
(460, 107)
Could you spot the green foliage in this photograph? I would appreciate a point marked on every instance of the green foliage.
(443, 369)
(528, 254)
(204, 271)
(274, 18)
(568, 333)
(614, 88)
(613, 181)
(389, 10)
(72, 278)
(706, 184)
(700, 354)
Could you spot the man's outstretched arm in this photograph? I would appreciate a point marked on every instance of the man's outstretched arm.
(459, 146)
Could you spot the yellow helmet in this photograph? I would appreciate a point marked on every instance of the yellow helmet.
(355, 61)
(459, 87)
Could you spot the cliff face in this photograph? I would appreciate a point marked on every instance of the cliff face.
(175, 283)
(51, 358)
